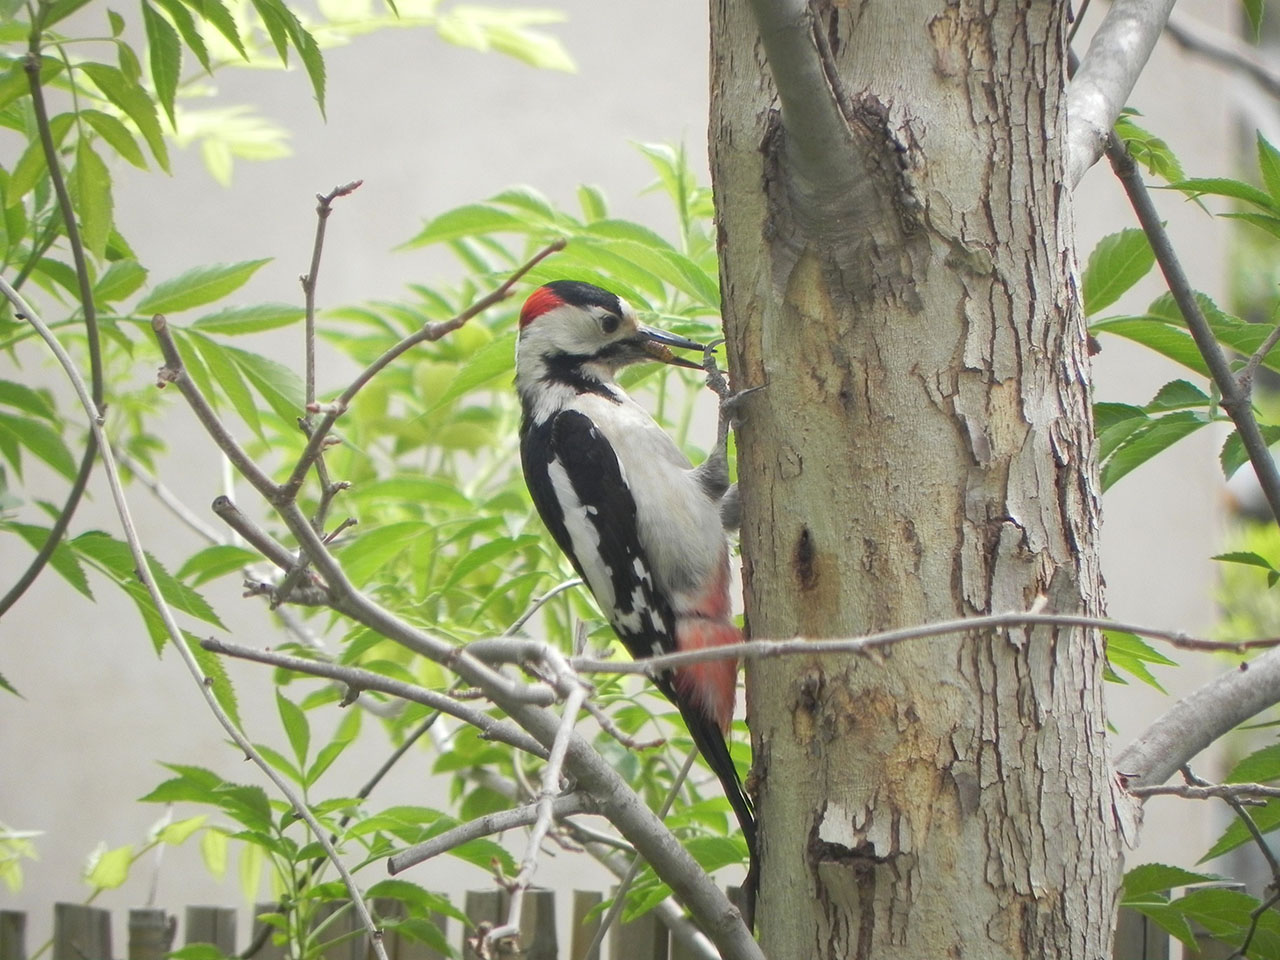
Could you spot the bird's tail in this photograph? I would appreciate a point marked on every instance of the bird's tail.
(705, 694)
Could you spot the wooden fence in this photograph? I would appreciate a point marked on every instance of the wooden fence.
(84, 933)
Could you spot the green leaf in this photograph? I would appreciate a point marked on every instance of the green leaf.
(1148, 441)
(1233, 455)
(1116, 264)
(371, 549)
(1149, 878)
(1254, 10)
(199, 286)
(62, 560)
(276, 383)
(31, 166)
(1258, 767)
(491, 361)
(1159, 335)
(296, 727)
(216, 561)
(115, 557)
(1178, 395)
(216, 13)
(44, 443)
(165, 55)
(215, 674)
(1269, 167)
(177, 833)
(1261, 220)
(1227, 187)
(60, 10)
(234, 321)
(91, 188)
(213, 851)
(190, 31)
(21, 397)
(1148, 149)
(284, 27)
(1266, 818)
(122, 279)
(472, 220)
(592, 201)
(1248, 558)
(487, 553)
(134, 101)
(224, 371)
(108, 869)
(1127, 652)
(117, 135)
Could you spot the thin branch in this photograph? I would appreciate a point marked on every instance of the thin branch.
(142, 567)
(562, 806)
(358, 679)
(1235, 401)
(1245, 377)
(175, 372)
(545, 807)
(1222, 49)
(1237, 805)
(85, 284)
(1207, 791)
(1117, 54)
(252, 534)
(538, 603)
(324, 206)
(429, 332)
(517, 651)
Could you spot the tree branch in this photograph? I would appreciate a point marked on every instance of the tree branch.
(807, 83)
(562, 806)
(1235, 398)
(358, 679)
(1223, 50)
(1199, 719)
(1106, 76)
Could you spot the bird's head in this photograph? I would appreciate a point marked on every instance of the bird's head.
(572, 331)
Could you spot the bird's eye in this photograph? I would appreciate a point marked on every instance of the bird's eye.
(609, 323)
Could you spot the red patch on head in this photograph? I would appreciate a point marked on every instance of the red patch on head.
(539, 302)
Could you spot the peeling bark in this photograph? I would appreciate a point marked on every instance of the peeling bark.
(923, 450)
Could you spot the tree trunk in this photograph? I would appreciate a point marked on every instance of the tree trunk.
(903, 281)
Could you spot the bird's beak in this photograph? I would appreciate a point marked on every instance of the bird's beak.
(657, 344)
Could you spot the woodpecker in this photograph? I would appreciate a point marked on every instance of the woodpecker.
(643, 527)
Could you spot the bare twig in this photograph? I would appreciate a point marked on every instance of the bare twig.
(175, 372)
(545, 806)
(1223, 49)
(1235, 401)
(491, 823)
(1208, 791)
(1245, 377)
(358, 679)
(143, 569)
(765, 649)
(427, 333)
(324, 206)
(84, 283)
(538, 603)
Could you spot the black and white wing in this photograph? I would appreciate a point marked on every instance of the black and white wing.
(579, 489)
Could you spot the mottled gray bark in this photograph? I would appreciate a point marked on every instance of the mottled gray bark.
(897, 266)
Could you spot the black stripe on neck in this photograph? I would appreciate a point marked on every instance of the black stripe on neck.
(567, 369)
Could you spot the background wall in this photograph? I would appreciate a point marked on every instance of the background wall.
(428, 126)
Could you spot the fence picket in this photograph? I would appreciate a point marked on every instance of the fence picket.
(13, 935)
(80, 932)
